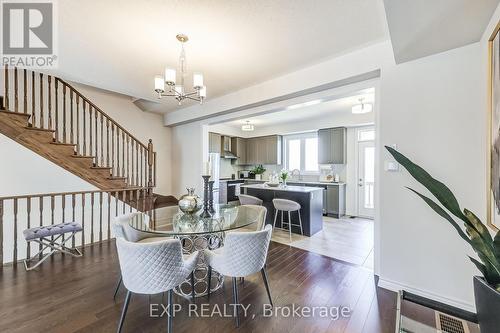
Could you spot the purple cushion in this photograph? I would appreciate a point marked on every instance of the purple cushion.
(51, 230)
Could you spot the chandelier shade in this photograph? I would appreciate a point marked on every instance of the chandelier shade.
(177, 89)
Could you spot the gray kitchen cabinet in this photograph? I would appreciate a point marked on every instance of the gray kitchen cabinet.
(252, 151)
(264, 150)
(332, 145)
(214, 143)
(335, 200)
(239, 148)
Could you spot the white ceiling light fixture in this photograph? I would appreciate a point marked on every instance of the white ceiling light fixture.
(362, 107)
(247, 127)
(178, 89)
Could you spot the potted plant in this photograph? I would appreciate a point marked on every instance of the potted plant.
(475, 233)
(284, 176)
(258, 170)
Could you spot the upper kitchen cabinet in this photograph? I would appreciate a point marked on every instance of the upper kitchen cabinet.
(264, 150)
(239, 148)
(332, 145)
(214, 143)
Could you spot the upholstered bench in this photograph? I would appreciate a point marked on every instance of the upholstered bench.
(56, 242)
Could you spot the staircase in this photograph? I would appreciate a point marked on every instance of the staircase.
(50, 117)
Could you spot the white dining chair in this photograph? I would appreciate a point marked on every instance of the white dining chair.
(122, 229)
(252, 213)
(153, 268)
(243, 254)
(246, 199)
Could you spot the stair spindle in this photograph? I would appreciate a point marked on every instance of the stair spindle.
(123, 202)
(137, 164)
(96, 155)
(109, 216)
(42, 122)
(64, 114)
(128, 160)
(71, 132)
(107, 143)
(56, 87)
(15, 232)
(63, 206)
(25, 91)
(28, 225)
(90, 129)
(132, 176)
(92, 217)
(100, 216)
(112, 149)
(84, 129)
(118, 151)
(123, 154)
(33, 100)
(102, 140)
(83, 218)
(40, 208)
(73, 217)
(49, 101)
(16, 91)
(6, 87)
(77, 123)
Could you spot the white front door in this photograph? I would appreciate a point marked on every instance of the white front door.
(366, 179)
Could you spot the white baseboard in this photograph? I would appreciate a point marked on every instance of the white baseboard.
(395, 286)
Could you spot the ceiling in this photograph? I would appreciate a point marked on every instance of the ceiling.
(338, 111)
(419, 29)
(235, 44)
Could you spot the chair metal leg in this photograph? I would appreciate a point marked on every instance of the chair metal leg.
(236, 302)
(282, 220)
(300, 221)
(170, 306)
(266, 283)
(275, 218)
(209, 280)
(192, 286)
(290, 226)
(117, 287)
(124, 310)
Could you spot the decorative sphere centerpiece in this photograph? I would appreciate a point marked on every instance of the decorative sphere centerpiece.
(190, 203)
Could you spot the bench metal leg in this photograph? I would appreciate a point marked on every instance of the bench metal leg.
(47, 243)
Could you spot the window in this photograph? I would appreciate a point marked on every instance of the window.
(301, 152)
(366, 134)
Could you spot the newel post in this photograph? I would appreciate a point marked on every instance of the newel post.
(150, 165)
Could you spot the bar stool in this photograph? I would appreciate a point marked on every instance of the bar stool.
(289, 206)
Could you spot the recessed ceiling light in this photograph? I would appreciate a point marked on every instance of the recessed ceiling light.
(362, 107)
(247, 127)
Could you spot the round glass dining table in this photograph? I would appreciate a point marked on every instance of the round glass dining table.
(196, 233)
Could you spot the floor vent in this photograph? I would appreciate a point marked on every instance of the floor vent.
(449, 324)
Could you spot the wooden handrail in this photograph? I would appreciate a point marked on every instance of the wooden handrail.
(75, 120)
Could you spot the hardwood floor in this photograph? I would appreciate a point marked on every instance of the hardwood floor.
(75, 295)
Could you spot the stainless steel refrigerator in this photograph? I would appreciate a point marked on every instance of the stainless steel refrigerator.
(214, 160)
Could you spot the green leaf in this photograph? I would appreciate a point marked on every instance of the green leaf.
(485, 253)
(442, 193)
(496, 245)
(478, 225)
(441, 212)
(480, 267)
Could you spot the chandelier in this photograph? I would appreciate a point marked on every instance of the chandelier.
(177, 89)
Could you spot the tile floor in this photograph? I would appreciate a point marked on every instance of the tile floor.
(347, 239)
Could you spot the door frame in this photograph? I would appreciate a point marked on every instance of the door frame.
(356, 158)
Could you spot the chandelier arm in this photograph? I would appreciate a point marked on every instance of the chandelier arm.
(192, 93)
(168, 95)
(194, 99)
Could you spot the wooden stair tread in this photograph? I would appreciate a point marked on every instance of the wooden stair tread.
(25, 115)
(83, 156)
(100, 168)
(63, 144)
(39, 129)
(117, 178)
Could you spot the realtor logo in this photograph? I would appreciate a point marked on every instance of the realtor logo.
(28, 34)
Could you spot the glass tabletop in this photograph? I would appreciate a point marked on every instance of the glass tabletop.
(171, 221)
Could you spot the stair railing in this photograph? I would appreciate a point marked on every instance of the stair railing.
(94, 210)
(54, 105)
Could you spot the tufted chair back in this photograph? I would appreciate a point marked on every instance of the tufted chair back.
(122, 229)
(246, 199)
(244, 253)
(253, 212)
(152, 268)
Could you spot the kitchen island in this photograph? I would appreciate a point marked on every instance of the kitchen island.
(309, 198)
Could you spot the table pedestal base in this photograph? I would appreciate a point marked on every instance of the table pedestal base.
(190, 244)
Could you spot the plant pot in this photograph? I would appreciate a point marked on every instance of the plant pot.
(258, 177)
(487, 305)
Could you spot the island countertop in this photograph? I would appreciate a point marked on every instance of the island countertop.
(288, 188)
